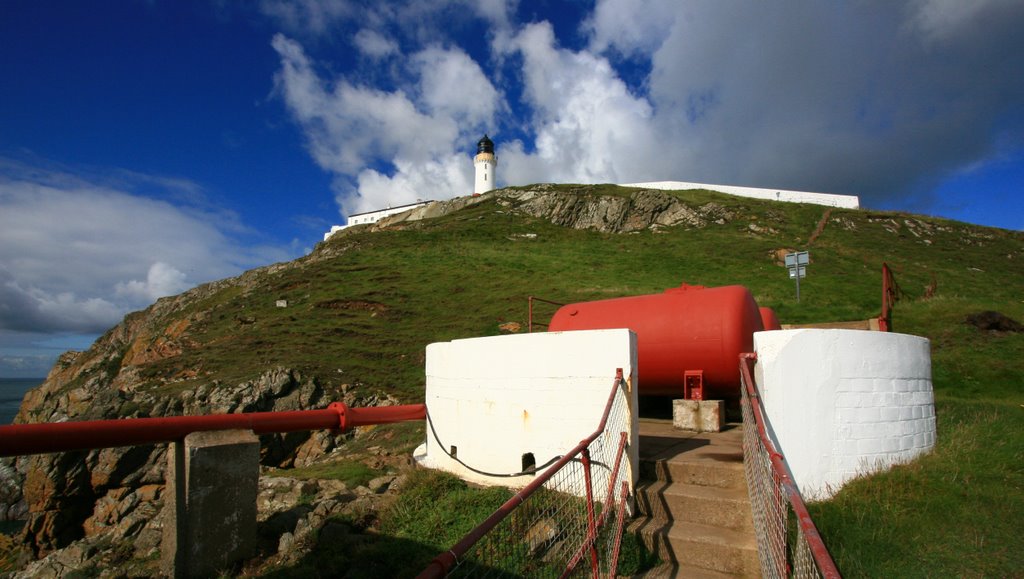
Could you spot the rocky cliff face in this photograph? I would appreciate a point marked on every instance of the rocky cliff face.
(581, 208)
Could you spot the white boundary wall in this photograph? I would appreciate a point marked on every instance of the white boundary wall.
(498, 398)
(829, 199)
(374, 216)
(844, 403)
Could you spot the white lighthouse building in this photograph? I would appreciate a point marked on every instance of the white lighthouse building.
(486, 164)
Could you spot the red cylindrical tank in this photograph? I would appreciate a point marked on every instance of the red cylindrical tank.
(685, 328)
(769, 320)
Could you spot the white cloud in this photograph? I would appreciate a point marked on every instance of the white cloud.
(870, 98)
(374, 44)
(312, 17)
(161, 280)
(454, 87)
(938, 20)
(440, 179)
(416, 135)
(846, 98)
(630, 28)
(74, 252)
(587, 125)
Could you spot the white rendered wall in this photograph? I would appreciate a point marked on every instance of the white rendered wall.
(497, 398)
(374, 216)
(829, 199)
(844, 403)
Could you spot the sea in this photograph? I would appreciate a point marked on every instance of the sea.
(12, 390)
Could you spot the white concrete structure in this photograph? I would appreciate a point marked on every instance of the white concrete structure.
(828, 199)
(493, 401)
(486, 165)
(374, 216)
(844, 403)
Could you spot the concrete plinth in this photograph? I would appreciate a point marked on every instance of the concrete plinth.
(698, 415)
(211, 503)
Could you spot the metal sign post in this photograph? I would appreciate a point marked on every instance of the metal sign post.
(796, 263)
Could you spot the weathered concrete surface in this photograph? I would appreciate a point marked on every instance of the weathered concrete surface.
(212, 485)
(698, 415)
(693, 503)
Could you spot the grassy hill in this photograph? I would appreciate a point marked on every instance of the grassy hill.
(368, 302)
(363, 306)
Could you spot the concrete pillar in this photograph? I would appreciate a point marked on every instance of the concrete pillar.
(211, 502)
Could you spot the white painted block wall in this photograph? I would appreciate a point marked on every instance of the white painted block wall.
(844, 403)
(497, 398)
(827, 199)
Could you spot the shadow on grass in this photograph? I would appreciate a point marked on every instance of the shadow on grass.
(342, 550)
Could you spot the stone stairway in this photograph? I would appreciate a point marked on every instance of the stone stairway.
(692, 502)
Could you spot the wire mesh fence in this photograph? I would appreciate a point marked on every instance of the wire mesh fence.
(788, 544)
(568, 522)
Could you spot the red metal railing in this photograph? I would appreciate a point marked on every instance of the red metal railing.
(20, 439)
(532, 299)
(774, 495)
(546, 529)
(890, 295)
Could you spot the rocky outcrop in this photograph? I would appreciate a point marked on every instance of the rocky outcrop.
(581, 207)
(70, 496)
(644, 209)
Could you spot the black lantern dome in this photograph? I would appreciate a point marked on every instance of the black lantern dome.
(485, 145)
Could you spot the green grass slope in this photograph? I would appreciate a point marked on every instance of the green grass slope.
(364, 305)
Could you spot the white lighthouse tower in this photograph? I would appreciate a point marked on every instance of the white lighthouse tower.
(486, 164)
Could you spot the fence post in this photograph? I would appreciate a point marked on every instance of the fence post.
(211, 510)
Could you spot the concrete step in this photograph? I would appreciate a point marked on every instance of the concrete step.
(708, 505)
(674, 571)
(710, 465)
(702, 547)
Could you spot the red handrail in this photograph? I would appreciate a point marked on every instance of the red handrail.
(890, 295)
(530, 301)
(441, 565)
(817, 546)
(20, 439)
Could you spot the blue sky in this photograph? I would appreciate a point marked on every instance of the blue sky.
(149, 146)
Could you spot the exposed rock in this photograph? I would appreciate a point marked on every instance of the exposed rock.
(398, 484)
(580, 208)
(542, 533)
(755, 228)
(380, 484)
(510, 328)
(778, 256)
(68, 496)
(12, 502)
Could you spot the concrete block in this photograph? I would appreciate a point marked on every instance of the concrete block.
(211, 503)
(869, 446)
(712, 415)
(686, 414)
(869, 415)
(698, 415)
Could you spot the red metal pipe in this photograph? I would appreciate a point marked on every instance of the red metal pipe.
(618, 530)
(20, 439)
(888, 293)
